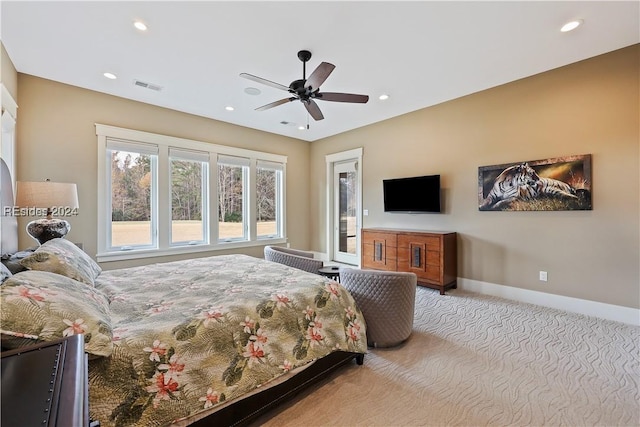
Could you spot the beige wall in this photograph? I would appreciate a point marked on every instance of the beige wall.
(8, 74)
(586, 108)
(589, 107)
(56, 139)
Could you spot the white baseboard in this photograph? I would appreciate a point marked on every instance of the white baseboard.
(321, 256)
(325, 258)
(602, 310)
(575, 305)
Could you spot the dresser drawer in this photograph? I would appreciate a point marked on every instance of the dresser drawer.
(430, 242)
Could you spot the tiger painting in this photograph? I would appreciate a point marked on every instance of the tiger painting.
(522, 182)
(554, 188)
(515, 182)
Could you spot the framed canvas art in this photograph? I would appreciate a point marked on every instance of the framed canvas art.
(557, 184)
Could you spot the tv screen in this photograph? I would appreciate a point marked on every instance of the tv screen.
(414, 194)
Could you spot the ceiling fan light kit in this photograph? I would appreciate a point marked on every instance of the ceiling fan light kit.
(307, 90)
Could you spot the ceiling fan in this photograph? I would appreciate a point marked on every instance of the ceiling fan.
(307, 90)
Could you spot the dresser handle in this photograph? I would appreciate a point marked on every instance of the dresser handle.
(416, 257)
(378, 252)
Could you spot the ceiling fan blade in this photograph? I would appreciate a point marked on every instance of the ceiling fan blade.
(264, 81)
(342, 97)
(276, 103)
(313, 109)
(319, 75)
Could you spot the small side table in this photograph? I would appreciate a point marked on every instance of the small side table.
(331, 271)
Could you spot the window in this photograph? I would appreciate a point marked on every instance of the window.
(133, 181)
(268, 197)
(189, 191)
(232, 198)
(157, 195)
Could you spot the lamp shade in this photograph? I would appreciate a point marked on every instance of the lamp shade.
(58, 198)
(46, 194)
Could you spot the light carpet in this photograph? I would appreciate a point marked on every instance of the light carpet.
(477, 360)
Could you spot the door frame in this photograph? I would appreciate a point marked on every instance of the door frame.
(331, 159)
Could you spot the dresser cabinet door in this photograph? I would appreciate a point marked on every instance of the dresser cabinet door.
(379, 250)
(421, 255)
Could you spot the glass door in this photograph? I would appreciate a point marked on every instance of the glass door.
(345, 209)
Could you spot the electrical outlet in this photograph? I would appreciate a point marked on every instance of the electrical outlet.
(543, 276)
(365, 212)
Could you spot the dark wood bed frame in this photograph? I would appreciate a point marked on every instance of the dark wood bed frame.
(247, 409)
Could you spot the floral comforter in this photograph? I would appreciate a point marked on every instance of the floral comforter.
(191, 334)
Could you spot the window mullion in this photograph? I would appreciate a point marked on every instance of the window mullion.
(245, 202)
(213, 200)
(280, 204)
(163, 192)
(104, 195)
(252, 210)
(206, 221)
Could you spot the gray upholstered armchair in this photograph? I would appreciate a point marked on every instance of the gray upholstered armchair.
(387, 300)
(302, 260)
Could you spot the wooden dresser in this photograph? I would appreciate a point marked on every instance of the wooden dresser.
(431, 255)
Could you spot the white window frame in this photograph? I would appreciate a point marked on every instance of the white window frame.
(163, 200)
(245, 164)
(279, 170)
(114, 144)
(203, 158)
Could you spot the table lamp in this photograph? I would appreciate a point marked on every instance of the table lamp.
(58, 198)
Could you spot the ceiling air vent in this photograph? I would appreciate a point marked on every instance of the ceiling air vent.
(146, 85)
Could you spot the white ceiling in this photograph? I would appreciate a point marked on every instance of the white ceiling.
(420, 53)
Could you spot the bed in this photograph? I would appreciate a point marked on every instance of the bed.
(207, 341)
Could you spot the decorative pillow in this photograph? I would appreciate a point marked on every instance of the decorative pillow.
(63, 257)
(43, 306)
(4, 273)
(12, 261)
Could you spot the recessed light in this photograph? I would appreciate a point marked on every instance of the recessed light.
(383, 97)
(229, 108)
(140, 25)
(302, 127)
(110, 76)
(252, 91)
(572, 25)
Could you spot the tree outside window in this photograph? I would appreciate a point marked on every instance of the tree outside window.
(231, 201)
(131, 190)
(268, 196)
(161, 195)
(188, 191)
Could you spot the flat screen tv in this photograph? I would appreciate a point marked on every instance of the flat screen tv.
(412, 195)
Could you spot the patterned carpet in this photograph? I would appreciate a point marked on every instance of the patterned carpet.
(476, 360)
